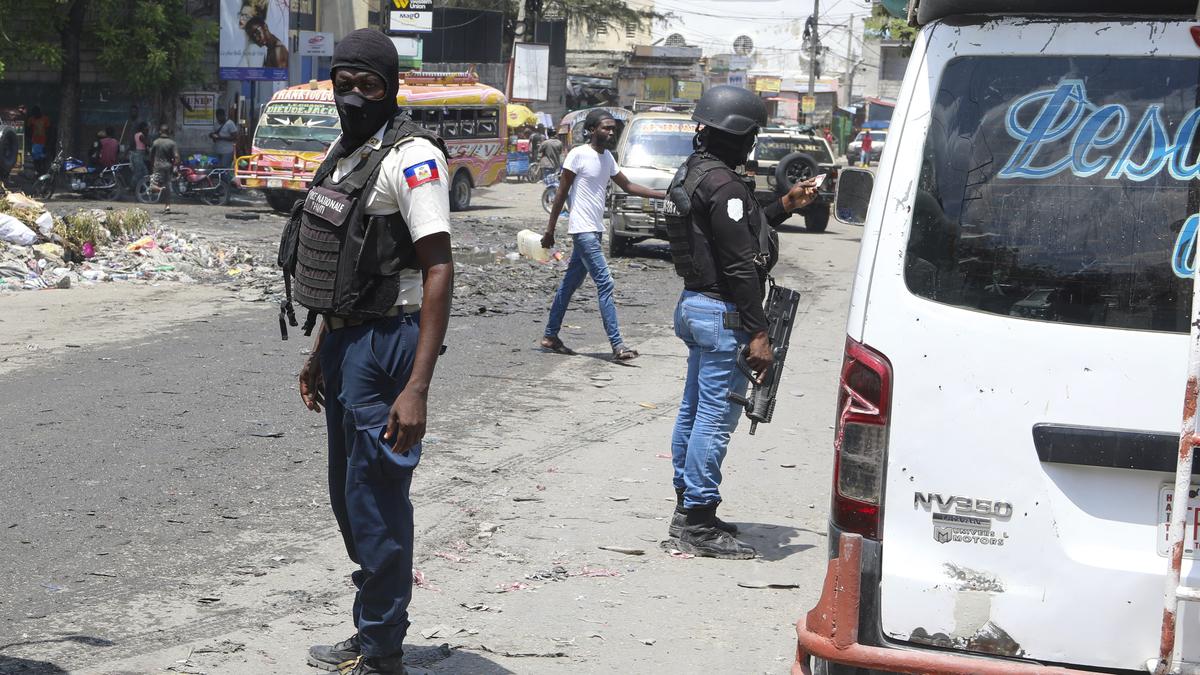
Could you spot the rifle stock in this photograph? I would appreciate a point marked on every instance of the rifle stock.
(782, 304)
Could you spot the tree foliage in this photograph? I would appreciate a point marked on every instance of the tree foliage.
(578, 13)
(30, 32)
(159, 36)
(883, 25)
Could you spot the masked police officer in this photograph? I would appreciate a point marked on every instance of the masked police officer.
(370, 254)
(723, 248)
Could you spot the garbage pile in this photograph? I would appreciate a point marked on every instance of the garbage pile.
(38, 251)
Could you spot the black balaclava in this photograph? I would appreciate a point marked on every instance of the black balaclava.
(731, 149)
(369, 50)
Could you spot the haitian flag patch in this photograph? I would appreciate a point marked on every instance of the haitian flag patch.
(420, 174)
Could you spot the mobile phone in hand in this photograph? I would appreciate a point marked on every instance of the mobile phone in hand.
(819, 178)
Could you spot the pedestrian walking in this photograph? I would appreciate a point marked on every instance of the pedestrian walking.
(550, 160)
(384, 310)
(223, 137)
(137, 158)
(39, 138)
(536, 139)
(585, 177)
(164, 157)
(865, 150)
(724, 250)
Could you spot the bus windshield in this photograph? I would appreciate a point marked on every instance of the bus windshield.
(297, 127)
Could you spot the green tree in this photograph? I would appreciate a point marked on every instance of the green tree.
(152, 47)
(577, 13)
(883, 25)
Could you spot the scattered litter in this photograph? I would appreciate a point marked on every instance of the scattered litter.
(649, 642)
(420, 581)
(453, 557)
(447, 632)
(663, 455)
(622, 549)
(540, 488)
(764, 584)
(103, 574)
(787, 466)
(648, 406)
(222, 647)
(479, 607)
(267, 434)
(486, 530)
(208, 600)
(516, 655)
(527, 499)
(514, 586)
(676, 553)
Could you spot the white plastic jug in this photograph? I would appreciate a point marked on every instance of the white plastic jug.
(529, 244)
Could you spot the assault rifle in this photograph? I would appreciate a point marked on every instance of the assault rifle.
(782, 304)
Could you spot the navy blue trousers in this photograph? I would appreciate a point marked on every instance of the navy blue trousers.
(365, 368)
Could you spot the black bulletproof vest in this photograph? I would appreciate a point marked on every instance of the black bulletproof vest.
(690, 236)
(344, 262)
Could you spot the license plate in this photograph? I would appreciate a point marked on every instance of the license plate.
(274, 183)
(1191, 522)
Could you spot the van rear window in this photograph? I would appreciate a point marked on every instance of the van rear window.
(1061, 189)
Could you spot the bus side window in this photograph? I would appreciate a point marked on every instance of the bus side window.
(450, 125)
(429, 118)
(468, 123)
(489, 123)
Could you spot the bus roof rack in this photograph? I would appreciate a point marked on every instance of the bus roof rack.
(931, 10)
(663, 106)
(440, 77)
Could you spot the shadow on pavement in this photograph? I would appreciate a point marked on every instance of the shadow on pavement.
(464, 661)
(772, 541)
(12, 665)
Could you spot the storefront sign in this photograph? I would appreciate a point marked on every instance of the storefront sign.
(404, 21)
(689, 90)
(769, 85)
(312, 43)
(808, 104)
(199, 108)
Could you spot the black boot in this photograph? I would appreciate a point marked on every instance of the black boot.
(330, 657)
(376, 665)
(700, 536)
(676, 526)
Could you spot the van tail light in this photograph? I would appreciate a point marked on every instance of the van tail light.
(861, 439)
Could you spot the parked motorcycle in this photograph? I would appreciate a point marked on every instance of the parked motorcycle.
(211, 187)
(551, 181)
(87, 181)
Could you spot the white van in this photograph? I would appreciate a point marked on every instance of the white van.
(1017, 349)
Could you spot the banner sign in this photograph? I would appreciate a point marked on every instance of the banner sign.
(770, 85)
(413, 4)
(254, 35)
(312, 43)
(199, 108)
(808, 104)
(531, 72)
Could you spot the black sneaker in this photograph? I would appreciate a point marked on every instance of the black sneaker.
(680, 515)
(332, 657)
(367, 665)
(701, 537)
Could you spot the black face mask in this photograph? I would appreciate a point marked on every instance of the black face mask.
(361, 118)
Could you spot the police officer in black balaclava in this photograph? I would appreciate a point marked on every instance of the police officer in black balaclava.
(372, 259)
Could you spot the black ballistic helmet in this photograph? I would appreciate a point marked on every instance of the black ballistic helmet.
(730, 109)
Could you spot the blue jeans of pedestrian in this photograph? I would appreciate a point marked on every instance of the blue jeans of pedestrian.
(587, 258)
(225, 160)
(364, 369)
(706, 416)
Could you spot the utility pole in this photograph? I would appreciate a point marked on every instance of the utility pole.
(814, 47)
(851, 66)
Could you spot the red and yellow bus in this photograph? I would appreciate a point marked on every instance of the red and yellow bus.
(299, 124)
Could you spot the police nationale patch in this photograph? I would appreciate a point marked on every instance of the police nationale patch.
(420, 174)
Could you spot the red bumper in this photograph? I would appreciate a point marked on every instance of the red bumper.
(830, 632)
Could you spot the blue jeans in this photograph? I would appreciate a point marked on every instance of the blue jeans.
(365, 368)
(864, 157)
(706, 416)
(587, 258)
(224, 160)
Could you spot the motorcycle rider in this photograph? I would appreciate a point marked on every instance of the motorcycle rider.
(723, 248)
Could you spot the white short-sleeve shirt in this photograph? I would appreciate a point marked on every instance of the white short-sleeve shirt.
(592, 172)
(414, 181)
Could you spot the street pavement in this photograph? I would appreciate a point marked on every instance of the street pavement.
(165, 505)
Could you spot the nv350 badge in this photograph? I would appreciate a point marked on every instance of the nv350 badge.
(964, 519)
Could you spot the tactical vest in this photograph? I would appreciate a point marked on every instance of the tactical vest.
(343, 262)
(701, 270)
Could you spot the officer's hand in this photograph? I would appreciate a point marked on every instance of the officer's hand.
(548, 240)
(406, 421)
(801, 195)
(312, 385)
(760, 356)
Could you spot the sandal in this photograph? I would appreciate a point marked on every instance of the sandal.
(555, 345)
(624, 353)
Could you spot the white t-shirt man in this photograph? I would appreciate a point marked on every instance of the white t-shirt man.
(592, 173)
(414, 181)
